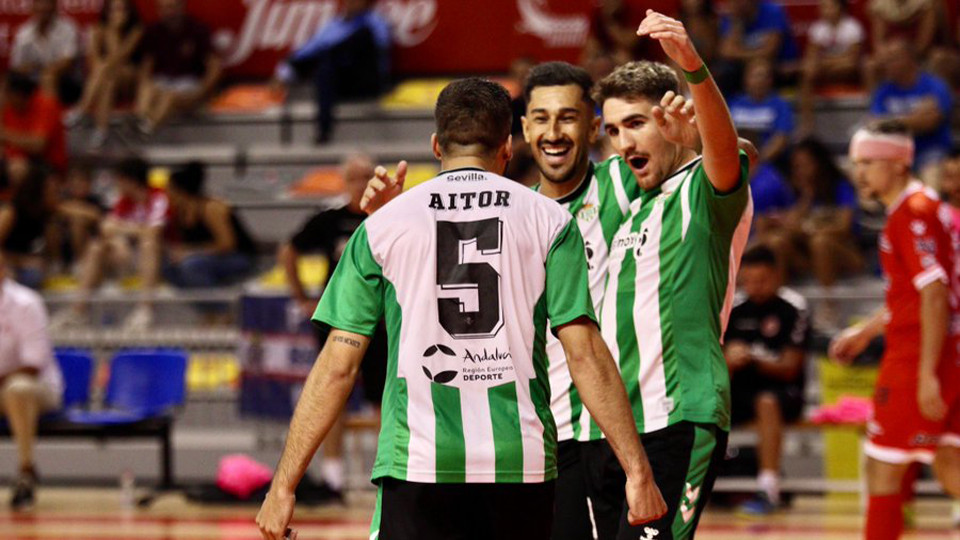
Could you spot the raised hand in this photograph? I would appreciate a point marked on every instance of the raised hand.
(672, 37)
(677, 120)
(383, 188)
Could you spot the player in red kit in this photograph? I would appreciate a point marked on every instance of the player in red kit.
(917, 398)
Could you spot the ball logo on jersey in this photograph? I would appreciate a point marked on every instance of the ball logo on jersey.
(442, 377)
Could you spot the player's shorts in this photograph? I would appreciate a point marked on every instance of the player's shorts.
(898, 433)
(416, 511)
(746, 386)
(571, 516)
(685, 459)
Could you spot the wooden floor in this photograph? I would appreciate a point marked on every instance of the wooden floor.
(95, 514)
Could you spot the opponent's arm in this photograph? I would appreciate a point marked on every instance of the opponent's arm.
(595, 375)
(854, 340)
(324, 395)
(934, 322)
(721, 159)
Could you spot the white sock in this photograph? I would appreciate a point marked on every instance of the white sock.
(331, 471)
(769, 481)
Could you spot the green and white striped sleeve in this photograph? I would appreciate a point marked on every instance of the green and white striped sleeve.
(567, 289)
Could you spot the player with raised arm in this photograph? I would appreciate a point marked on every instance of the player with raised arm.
(917, 399)
(672, 266)
(466, 269)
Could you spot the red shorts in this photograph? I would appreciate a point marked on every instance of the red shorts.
(898, 433)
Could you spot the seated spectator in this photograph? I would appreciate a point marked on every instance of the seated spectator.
(772, 195)
(82, 210)
(818, 234)
(210, 246)
(130, 241)
(46, 48)
(179, 69)
(113, 58)
(919, 100)
(700, 19)
(913, 21)
(30, 379)
(350, 56)
(761, 114)
(833, 55)
(765, 346)
(25, 224)
(31, 128)
(612, 34)
(754, 29)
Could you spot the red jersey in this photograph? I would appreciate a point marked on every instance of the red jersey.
(43, 116)
(916, 249)
(154, 211)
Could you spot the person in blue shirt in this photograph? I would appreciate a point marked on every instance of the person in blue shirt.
(761, 114)
(754, 29)
(351, 59)
(919, 100)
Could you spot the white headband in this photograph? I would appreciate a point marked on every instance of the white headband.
(890, 147)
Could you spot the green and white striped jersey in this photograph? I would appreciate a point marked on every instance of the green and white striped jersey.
(600, 204)
(466, 269)
(673, 267)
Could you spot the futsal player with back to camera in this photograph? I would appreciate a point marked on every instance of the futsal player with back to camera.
(917, 398)
(466, 269)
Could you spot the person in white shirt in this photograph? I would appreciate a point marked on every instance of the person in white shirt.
(30, 380)
(46, 47)
(834, 53)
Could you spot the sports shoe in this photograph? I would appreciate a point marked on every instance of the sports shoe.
(23, 498)
(761, 505)
(141, 318)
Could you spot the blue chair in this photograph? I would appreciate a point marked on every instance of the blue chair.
(77, 369)
(142, 385)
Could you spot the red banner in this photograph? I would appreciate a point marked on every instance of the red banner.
(431, 36)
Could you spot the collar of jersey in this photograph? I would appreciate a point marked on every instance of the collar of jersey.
(913, 187)
(581, 187)
(461, 169)
(672, 183)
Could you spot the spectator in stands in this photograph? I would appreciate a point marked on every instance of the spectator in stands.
(765, 346)
(31, 128)
(82, 210)
(754, 29)
(818, 234)
(913, 21)
(834, 53)
(130, 238)
(700, 19)
(950, 182)
(761, 115)
(113, 58)
(327, 233)
(521, 168)
(25, 224)
(350, 56)
(612, 34)
(918, 99)
(210, 246)
(180, 68)
(46, 47)
(30, 380)
(772, 196)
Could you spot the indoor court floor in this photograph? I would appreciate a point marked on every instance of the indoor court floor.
(96, 514)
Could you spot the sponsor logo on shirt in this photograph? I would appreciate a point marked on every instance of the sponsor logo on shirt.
(925, 245)
(918, 227)
(588, 213)
(649, 533)
(482, 367)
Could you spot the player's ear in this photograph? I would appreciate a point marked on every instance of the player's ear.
(435, 144)
(595, 129)
(525, 124)
(508, 148)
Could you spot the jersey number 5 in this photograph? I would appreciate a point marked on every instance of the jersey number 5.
(454, 241)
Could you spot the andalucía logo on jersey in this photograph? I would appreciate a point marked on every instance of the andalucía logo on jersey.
(441, 377)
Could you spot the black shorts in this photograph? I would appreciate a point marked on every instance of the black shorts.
(373, 369)
(415, 511)
(744, 389)
(685, 459)
(571, 516)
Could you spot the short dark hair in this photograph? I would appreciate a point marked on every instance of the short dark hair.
(134, 168)
(559, 74)
(889, 127)
(21, 84)
(642, 79)
(473, 111)
(190, 178)
(759, 256)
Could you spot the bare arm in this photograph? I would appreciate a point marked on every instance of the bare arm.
(287, 256)
(595, 375)
(934, 322)
(212, 76)
(926, 117)
(324, 396)
(28, 142)
(721, 158)
(732, 47)
(216, 214)
(927, 30)
(774, 148)
(785, 368)
(7, 217)
(851, 342)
